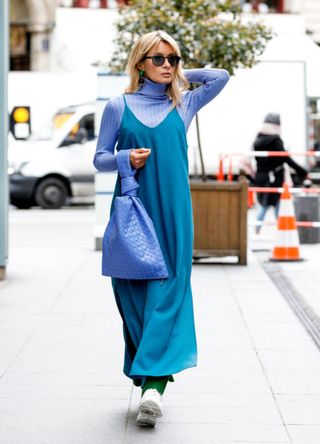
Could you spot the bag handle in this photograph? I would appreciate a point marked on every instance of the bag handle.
(129, 185)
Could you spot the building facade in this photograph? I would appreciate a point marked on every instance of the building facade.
(309, 9)
(31, 26)
(32, 23)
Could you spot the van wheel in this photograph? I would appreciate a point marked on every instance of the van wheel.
(51, 193)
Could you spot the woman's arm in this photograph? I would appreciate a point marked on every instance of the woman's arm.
(212, 82)
(104, 158)
(302, 172)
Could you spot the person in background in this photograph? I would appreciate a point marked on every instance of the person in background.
(270, 170)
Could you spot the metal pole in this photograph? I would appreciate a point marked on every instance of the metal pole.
(203, 171)
(4, 54)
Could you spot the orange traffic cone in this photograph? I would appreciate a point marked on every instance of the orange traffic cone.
(287, 240)
(220, 176)
(250, 201)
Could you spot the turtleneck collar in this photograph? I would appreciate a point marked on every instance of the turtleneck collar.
(153, 89)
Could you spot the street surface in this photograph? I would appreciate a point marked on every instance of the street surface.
(61, 381)
(304, 275)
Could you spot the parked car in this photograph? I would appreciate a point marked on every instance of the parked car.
(54, 166)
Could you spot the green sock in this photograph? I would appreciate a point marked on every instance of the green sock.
(158, 383)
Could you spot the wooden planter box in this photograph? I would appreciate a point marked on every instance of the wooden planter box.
(220, 218)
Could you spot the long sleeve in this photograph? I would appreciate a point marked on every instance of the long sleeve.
(212, 82)
(104, 158)
(274, 143)
(302, 172)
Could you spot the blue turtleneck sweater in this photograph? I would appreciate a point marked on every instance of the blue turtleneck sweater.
(150, 104)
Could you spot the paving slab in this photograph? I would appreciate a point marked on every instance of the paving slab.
(304, 434)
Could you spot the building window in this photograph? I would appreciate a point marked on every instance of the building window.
(263, 6)
(19, 48)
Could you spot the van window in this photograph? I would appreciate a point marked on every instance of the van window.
(81, 132)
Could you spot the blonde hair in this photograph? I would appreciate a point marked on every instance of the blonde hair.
(140, 49)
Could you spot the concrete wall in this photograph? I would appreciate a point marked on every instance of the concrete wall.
(82, 38)
(311, 10)
(39, 18)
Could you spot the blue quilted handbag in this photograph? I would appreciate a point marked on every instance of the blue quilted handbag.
(130, 248)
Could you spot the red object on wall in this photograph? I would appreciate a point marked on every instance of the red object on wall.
(103, 3)
(274, 5)
(80, 3)
(255, 5)
(280, 5)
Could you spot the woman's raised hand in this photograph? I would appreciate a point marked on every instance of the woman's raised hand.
(139, 156)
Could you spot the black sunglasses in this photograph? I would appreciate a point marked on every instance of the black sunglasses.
(158, 60)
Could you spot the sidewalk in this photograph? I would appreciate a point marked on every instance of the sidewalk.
(257, 381)
(303, 275)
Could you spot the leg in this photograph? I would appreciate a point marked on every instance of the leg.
(260, 216)
(159, 384)
(276, 209)
(130, 299)
(150, 406)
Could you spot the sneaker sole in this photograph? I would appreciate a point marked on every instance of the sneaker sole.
(151, 408)
(146, 420)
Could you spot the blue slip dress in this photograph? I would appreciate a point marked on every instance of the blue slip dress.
(157, 315)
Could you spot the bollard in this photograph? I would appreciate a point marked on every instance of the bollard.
(307, 209)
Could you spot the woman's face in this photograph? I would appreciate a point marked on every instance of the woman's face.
(159, 74)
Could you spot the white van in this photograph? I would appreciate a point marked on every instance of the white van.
(54, 166)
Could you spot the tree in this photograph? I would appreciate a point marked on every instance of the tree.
(210, 33)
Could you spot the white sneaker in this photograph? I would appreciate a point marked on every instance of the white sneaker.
(150, 408)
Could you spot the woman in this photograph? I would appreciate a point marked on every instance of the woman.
(148, 125)
(270, 170)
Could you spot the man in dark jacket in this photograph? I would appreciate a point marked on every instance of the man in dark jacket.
(270, 170)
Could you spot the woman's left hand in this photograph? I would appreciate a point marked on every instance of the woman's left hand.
(139, 156)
